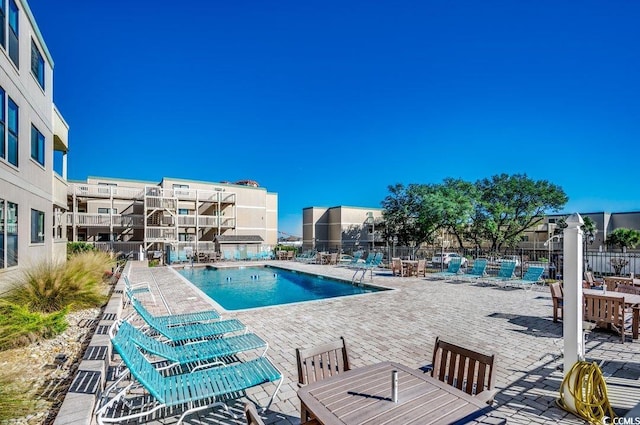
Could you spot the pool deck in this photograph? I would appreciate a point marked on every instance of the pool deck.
(401, 326)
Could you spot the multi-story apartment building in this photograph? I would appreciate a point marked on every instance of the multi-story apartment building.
(33, 146)
(124, 215)
(341, 227)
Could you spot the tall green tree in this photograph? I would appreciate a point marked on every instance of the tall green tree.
(455, 201)
(410, 213)
(624, 238)
(510, 204)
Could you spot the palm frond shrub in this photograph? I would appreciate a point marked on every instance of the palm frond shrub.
(15, 400)
(48, 287)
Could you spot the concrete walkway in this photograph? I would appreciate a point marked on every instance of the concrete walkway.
(401, 325)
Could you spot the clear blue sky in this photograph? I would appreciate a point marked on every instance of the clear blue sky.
(329, 102)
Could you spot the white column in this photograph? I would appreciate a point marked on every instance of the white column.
(572, 299)
(64, 166)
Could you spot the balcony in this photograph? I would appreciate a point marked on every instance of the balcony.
(160, 234)
(60, 187)
(105, 220)
(104, 191)
(155, 202)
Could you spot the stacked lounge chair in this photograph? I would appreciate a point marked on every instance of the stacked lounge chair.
(191, 392)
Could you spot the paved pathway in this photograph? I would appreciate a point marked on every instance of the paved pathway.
(401, 325)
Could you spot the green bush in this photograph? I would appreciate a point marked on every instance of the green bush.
(74, 248)
(76, 284)
(19, 326)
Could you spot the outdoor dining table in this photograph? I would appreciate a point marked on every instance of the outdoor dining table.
(410, 265)
(630, 300)
(363, 396)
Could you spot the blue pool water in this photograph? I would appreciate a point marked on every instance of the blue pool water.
(250, 287)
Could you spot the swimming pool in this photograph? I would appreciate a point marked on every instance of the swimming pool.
(251, 287)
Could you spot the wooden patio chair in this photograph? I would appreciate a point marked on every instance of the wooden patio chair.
(465, 369)
(397, 269)
(557, 298)
(605, 311)
(251, 414)
(613, 281)
(421, 268)
(628, 289)
(317, 363)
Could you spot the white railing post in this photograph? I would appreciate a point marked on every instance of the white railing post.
(572, 298)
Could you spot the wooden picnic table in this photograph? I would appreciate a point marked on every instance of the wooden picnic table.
(363, 396)
(630, 300)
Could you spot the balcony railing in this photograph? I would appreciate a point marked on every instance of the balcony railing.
(104, 191)
(208, 221)
(104, 220)
(154, 202)
(60, 188)
(160, 234)
(187, 220)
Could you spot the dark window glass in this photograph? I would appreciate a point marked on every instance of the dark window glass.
(3, 19)
(12, 139)
(12, 234)
(13, 33)
(37, 226)
(2, 125)
(37, 145)
(37, 64)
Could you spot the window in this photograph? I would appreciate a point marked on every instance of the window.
(13, 32)
(37, 64)
(37, 145)
(183, 211)
(11, 235)
(12, 138)
(3, 20)
(106, 211)
(104, 237)
(3, 120)
(37, 226)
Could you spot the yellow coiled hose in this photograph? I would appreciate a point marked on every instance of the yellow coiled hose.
(584, 393)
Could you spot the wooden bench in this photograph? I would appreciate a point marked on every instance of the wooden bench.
(607, 311)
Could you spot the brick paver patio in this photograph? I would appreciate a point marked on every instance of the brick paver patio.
(401, 325)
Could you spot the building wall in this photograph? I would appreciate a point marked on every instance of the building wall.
(254, 209)
(29, 184)
(339, 227)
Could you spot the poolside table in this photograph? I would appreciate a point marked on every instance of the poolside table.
(630, 300)
(363, 396)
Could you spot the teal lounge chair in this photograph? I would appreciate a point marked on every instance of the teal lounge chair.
(133, 289)
(507, 268)
(193, 356)
(188, 331)
(453, 269)
(531, 277)
(179, 319)
(477, 271)
(189, 392)
(354, 260)
(376, 260)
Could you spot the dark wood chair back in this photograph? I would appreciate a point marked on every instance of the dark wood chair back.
(317, 363)
(465, 369)
(557, 298)
(628, 289)
(251, 415)
(605, 310)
